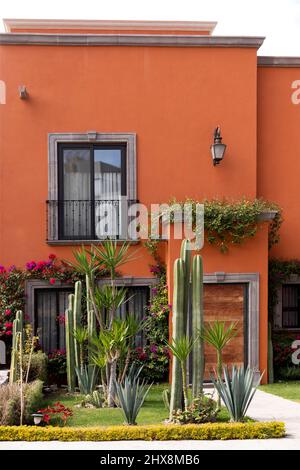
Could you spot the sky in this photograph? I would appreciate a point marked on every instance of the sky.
(277, 20)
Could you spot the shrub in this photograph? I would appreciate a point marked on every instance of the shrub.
(210, 431)
(57, 414)
(38, 366)
(10, 402)
(203, 410)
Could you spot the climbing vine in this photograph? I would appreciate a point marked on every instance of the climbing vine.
(232, 222)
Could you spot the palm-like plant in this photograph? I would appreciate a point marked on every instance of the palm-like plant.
(218, 336)
(131, 395)
(111, 256)
(110, 299)
(237, 392)
(108, 347)
(181, 348)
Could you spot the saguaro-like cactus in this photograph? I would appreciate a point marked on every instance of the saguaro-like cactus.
(70, 351)
(91, 318)
(186, 256)
(197, 326)
(17, 339)
(177, 331)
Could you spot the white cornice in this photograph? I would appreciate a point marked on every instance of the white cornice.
(207, 26)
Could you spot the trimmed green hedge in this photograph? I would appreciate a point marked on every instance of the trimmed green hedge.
(211, 431)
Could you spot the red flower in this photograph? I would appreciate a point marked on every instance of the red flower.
(8, 333)
(52, 256)
(52, 280)
(7, 312)
(8, 325)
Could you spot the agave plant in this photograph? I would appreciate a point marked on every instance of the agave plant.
(131, 395)
(238, 391)
(87, 378)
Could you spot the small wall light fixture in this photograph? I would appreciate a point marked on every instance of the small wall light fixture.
(217, 148)
(23, 92)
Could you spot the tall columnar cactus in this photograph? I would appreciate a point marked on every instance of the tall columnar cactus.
(91, 318)
(185, 255)
(184, 317)
(70, 350)
(77, 319)
(197, 326)
(177, 331)
(17, 339)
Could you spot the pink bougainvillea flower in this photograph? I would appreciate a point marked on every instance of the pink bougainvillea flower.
(8, 333)
(52, 280)
(61, 319)
(52, 256)
(8, 325)
(2, 269)
(7, 312)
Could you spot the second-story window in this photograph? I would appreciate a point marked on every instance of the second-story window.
(92, 185)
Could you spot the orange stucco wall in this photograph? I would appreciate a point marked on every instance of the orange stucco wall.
(279, 150)
(172, 98)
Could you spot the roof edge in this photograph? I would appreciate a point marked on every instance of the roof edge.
(273, 61)
(130, 40)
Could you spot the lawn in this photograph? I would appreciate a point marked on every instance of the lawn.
(153, 411)
(289, 390)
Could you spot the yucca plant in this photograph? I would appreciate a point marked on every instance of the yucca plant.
(131, 395)
(181, 348)
(238, 391)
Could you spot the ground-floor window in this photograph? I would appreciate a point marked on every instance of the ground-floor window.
(291, 306)
(50, 305)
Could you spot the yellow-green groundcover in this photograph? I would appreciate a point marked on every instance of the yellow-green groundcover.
(211, 431)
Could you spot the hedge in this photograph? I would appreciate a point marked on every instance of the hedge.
(210, 431)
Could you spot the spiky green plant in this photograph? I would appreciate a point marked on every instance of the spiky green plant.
(81, 336)
(108, 346)
(87, 378)
(237, 391)
(218, 336)
(131, 395)
(181, 348)
(77, 314)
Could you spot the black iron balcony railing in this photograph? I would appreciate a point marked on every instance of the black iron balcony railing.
(87, 219)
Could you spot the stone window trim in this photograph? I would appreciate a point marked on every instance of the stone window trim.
(32, 285)
(54, 139)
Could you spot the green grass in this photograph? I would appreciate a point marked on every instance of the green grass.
(289, 390)
(153, 411)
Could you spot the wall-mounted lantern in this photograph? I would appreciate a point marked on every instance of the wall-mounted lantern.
(217, 148)
(23, 93)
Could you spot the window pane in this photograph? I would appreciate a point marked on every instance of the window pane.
(107, 167)
(107, 187)
(290, 306)
(77, 193)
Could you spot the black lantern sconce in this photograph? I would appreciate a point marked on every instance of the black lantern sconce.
(217, 148)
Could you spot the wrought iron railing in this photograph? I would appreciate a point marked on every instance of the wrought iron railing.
(88, 219)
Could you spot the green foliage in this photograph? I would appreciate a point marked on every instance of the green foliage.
(131, 395)
(112, 256)
(238, 391)
(218, 336)
(166, 398)
(202, 410)
(229, 222)
(57, 367)
(160, 432)
(95, 399)
(87, 378)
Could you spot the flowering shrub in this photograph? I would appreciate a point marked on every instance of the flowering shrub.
(56, 414)
(12, 286)
(155, 355)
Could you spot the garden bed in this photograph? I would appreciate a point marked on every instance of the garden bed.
(210, 431)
